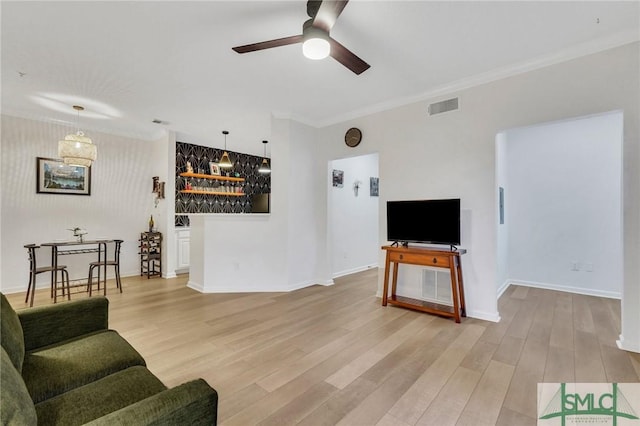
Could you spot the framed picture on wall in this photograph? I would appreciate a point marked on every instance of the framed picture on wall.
(374, 185)
(55, 177)
(338, 178)
(215, 168)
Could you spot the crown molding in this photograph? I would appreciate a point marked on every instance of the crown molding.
(565, 55)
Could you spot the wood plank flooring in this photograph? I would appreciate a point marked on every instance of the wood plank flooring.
(333, 355)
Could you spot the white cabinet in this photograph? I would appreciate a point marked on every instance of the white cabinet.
(183, 237)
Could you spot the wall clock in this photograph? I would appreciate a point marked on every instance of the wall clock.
(353, 137)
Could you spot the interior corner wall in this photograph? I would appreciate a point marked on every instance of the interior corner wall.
(502, 231)
(564, 205)
(353, 218)
(306, 210)
(118, 207)
(453, 155)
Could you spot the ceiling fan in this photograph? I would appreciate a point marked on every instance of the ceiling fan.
(315, 39)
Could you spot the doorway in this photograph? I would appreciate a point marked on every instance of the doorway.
(353, 214)
(559, 193)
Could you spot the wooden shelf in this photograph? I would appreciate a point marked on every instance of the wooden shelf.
(213, 177)
(193, 191)
(422, 305)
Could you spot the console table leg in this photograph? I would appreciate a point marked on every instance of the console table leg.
(385, 287)
(461, 286)
(454, 292)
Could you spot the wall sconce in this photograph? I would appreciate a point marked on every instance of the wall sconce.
(158, 190)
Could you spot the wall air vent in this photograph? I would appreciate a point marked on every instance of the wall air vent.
(443, 106)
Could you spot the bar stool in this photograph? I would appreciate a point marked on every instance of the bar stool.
(34, 270)
(115, 263)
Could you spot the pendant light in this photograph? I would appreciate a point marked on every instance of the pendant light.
(265, 167)
(225, 161)
(77, 149)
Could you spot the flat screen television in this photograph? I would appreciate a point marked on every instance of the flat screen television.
(424, 221)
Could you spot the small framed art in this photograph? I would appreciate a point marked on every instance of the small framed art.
(53, 176)
(214, 168)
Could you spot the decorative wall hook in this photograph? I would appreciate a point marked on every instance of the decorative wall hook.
(356, 187)
(158, 190)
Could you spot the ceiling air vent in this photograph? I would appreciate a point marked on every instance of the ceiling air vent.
(443, 106)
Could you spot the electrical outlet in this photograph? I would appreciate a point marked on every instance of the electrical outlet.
(575, 266)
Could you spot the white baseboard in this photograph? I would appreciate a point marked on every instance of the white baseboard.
(354, 270)
(12, 290)
(195, 286)
(250, 289)
(485, 316)
(627, 346)
(568, 289)
(505, 285)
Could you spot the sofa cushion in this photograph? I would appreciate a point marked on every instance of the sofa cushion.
(56, 369)
(16, 407)
(94, 400)
(11, 333)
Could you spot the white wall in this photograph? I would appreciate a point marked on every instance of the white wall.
(118, 207)
(453, 155)
(306, 227)
(281, 251)
(353, 220)
(444, 156)
(564, 207)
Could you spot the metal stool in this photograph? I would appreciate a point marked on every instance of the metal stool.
(115, 263)
(34, 271)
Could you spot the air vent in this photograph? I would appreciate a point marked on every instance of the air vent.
(443, 106)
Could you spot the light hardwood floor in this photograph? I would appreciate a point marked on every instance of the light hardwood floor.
(333, 355)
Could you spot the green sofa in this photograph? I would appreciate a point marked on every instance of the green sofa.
(61, 365)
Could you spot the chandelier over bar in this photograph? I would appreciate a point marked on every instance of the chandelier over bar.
(265, 167)
(225, 161)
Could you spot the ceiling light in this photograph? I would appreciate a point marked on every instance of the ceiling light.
(225, 161)
(77, 149)
(265, 167)
(316, 42)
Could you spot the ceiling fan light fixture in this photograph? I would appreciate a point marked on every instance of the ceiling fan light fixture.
(316, 48)
(316, 42)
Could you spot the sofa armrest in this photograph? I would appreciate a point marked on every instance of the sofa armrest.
(51, 324)
(192, 403)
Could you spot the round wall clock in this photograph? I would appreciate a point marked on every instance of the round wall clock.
(353, 137)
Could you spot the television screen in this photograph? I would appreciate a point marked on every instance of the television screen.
(424, 221)
(260, 203)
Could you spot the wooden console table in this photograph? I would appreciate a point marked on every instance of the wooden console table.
(425, 257)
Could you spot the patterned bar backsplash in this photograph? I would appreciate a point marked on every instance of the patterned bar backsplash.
(244, 165)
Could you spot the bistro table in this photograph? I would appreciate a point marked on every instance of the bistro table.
(63, 248)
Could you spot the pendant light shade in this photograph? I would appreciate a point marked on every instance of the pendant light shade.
(225, 161)
(264, 166)
(77, 149)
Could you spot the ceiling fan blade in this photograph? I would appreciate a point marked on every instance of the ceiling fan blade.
(328, 13)
(347, 57)
(269, 44)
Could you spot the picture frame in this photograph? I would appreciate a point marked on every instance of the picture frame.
(214, 168)
(53, 176)
(374, 187)
(338, 178)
